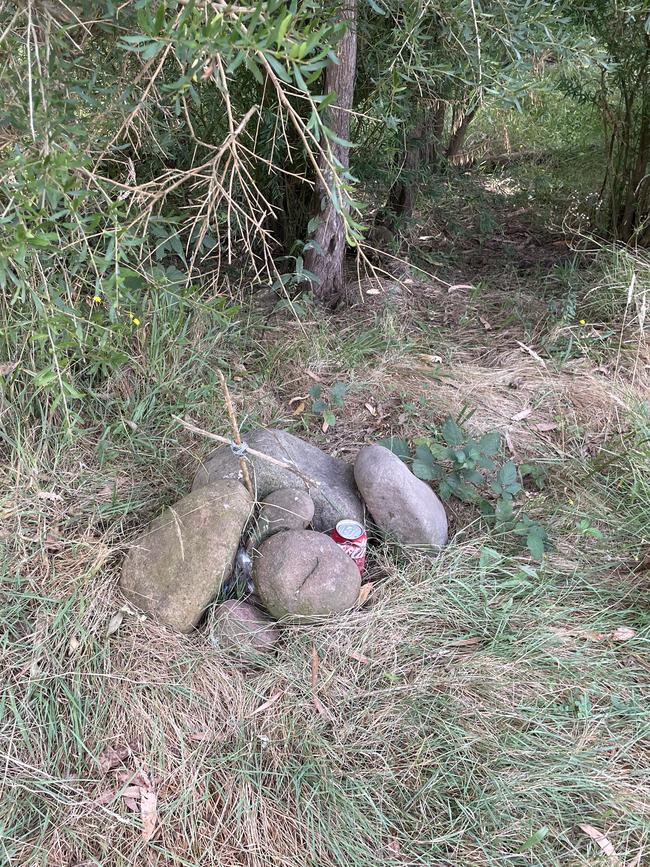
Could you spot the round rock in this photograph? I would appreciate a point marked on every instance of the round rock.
(402, 505)
(301, 573)
(238, 627)
(285, 509)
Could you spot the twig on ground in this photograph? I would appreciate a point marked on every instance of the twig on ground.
(235, 431)
(249, 451)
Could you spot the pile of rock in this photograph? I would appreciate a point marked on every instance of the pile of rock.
(177, 567)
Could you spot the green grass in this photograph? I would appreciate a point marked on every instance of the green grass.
(478, 710)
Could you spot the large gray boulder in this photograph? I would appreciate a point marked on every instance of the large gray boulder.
(300, 573)
(175, 569)
(335, 495)
(286, 509)
(402, 505)
(239, 628)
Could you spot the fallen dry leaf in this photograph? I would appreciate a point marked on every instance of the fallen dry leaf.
(299, 409)
(520, 416)
(358, 656)
(623, 633)
(545, 426)
(199, 736)
(148, 813)
(105, 797)
(325, 427)
(131, 795)
(49, 495)
(115, 622)
(53, 542)
(320, 707)
(139, 779)
(269, 703)
(485, 323)
(371, 409)
(111, 757)
(532, 353)
(464, 642)
(8, 367)
(457, 286)
(430, 359)
(601, 840)
(364, 593)
(298, 398)
(373, 291)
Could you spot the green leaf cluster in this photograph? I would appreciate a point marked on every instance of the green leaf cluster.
(473, 471)
(325, 401)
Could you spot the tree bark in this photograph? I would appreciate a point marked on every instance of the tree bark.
(435, 152)
(459, 132)
(326, 259)
(403, 192)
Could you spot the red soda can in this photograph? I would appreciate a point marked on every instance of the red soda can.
(351, 536)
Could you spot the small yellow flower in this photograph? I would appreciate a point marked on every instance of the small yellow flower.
(97, 299)
(136, 321)
(583, 322)
(572, 502)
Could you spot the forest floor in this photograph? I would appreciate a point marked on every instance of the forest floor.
(480, 709)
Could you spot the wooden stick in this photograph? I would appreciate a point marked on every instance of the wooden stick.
(219, 439)
(235, 432)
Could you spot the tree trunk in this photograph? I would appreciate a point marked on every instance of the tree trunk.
(435, 151)
(403, 192)
(633, 216)
(459, 132)
(326, 258)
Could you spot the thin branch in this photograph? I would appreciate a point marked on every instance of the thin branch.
(188, 425)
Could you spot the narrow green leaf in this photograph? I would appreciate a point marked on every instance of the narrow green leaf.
(282, 29)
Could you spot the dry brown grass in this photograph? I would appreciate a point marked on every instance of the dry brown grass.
(468, 705)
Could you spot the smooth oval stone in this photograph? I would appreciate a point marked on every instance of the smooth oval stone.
(402, 505)
(286, 509)
(238, 627)
(175, 569)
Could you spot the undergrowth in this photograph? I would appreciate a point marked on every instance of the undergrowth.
(481, 708)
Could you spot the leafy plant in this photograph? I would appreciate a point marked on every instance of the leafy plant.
(323, 402)
(471, 470)
(585, 527)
